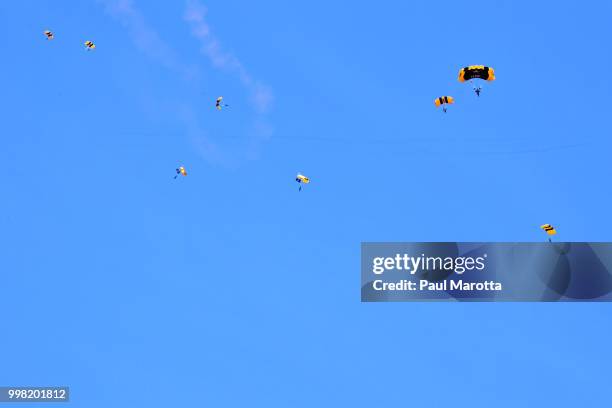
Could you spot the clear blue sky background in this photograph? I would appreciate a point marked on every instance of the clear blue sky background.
(229, 288)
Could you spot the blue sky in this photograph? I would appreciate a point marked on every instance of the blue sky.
(230, 288)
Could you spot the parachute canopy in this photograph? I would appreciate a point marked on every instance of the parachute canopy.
(550, 230)
(90, 45)
(49, 35)
(476, 72)
(444, 100)
(300, 178)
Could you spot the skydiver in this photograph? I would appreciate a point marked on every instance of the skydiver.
(301, 179)
(180, 171)
(477, 90)
(220, 103)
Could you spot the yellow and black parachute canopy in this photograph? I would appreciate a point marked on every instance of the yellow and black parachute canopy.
(550, 230)
(49, 35)
(444, 100)
(476, 72)
(90, 45)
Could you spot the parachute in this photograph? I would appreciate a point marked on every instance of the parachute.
(181, 172)
(49, 35)
(219, 105)
(549, 229)
(301, 179)
(90, 45)
(443, 101)
(476, 72)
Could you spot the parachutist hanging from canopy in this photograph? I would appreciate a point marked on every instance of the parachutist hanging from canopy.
(443, 101)
(181, 172)
(219, 105)
(476, 72)
(90, 45)
(550, 230)
(49, 35)
(301, 179)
